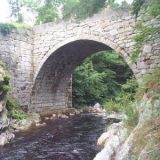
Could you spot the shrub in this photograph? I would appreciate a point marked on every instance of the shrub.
(123, 102)
(4, 85)
(149, 84)
(6, 28)
(14, 109)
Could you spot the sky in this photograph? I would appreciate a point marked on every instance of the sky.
(5, 11)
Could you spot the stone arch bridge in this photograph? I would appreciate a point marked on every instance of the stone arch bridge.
(42, 59)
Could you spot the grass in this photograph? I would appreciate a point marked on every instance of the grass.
(148, 136)
(14, 109)
(150, 85)
(144, 34)
(123, 103)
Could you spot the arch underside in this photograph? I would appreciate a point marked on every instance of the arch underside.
(53, 87)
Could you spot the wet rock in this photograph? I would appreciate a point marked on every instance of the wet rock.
(6, 137)
(22, 125)
(53, 115)
(40, 124)
(116, 116)
(51, 118)
(35, 117)
(71, 114)
(46, 118)
(111, 140)
(1, 107)
(64, 116)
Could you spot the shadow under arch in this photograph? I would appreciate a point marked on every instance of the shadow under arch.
(52, 85)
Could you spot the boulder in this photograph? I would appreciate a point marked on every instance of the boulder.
(6, 137)
(111, 140)
(22, 125)
(36, 118)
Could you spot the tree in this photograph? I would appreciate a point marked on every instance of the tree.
(47, 12)
(15, 6)
(112, 4)
(82, 8)
(124, 4)
(99, 78)
(136, 6)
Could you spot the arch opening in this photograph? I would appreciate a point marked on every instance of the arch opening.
(53, 85)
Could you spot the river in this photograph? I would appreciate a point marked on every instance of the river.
(61, 139)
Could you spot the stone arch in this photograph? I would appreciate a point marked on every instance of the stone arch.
(52, 83)
(115, 46)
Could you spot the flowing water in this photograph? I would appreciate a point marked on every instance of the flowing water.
(61, 139)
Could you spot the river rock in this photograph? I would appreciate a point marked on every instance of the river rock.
(36, 118)
(54, 115)
(116, 116)
(46, 118)
(6, 137)
(1, 107)
(41, 124)
(111, 141)
(21, 125)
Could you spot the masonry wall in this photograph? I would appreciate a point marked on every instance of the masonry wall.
(16, 51)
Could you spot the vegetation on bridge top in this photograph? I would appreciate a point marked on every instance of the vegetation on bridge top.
(6, 28)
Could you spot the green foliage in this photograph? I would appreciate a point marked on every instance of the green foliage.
(5, 77)
(15, 6)
(5, 88)
(150, 84)
(14, 109)
(3, 65)
(5, 28)
(99, 78)
(154, 155)
(47, 12)
(154, 8)
(123, 102)
(136, 6)
(76, 9)
(124, 4)
(112, 4)
(4, 85)
(144, 34)
(80, 9)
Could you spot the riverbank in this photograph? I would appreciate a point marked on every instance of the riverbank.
(111, 140)
(141, 142)
(36, 119)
